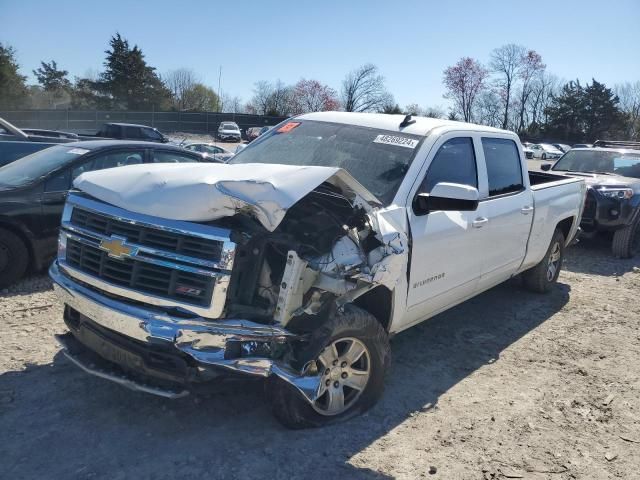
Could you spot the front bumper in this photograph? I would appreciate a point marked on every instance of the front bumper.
(209, 344)
(606, 214)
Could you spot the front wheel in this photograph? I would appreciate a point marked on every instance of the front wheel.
(541, 277)
(351, 353)
(626, 241)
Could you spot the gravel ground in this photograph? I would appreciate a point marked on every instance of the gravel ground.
(507, 385)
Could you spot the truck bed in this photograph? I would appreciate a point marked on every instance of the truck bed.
(543, 179)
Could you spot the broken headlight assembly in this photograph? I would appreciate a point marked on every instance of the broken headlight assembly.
(615, 192)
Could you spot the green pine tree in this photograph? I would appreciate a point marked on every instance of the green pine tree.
(13, 91)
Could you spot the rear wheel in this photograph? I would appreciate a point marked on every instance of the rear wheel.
(541, 277)
(544, 156)
(351, 353)
(626, 242)
(14, 258)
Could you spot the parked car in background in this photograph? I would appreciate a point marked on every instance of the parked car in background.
(299, 259)
(545, 151)
(229, 131)
(210, 151)
(130, 131)
(51, 133)
(583, 145)
(526, 148)
(33, 190)
(253, 133)
(16, 143)
(612, 173)
(564, 148)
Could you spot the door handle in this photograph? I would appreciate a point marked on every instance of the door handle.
(479, 222)
(526, 210)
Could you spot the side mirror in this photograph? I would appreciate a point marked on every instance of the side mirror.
(546, 166)
(447, 197)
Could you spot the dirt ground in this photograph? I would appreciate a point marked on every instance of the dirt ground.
(508, 385)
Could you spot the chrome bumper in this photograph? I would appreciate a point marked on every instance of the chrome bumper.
(203, 340)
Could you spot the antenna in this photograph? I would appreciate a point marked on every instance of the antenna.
(407, 121)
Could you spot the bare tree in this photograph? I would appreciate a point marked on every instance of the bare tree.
(431, 112)
(229, 104)
(506, 62)
(543, 89)
(464, 81)
(530, 69)
(270, 98)
(313, 96)
(488, 109)
(629, 96)
(179, 82)
(363, 90)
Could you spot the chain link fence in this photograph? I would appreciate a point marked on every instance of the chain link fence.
(90, 121)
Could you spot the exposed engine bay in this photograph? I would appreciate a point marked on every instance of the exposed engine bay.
(328, 250)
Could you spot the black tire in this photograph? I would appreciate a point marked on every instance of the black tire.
(539, 278)
(14, 258)
(626, 241)
(289, 406)
(544, 156)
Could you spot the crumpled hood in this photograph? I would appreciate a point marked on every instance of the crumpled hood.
(204, 191)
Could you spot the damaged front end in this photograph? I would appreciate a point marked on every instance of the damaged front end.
(290, 260)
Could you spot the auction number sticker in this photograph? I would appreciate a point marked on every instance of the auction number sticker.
(395, 140)
(287, 127)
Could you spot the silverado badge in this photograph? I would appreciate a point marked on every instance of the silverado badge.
(117, 247)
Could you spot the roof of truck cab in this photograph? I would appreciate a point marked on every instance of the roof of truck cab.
(383, 121)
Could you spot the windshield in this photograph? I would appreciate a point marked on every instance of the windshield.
(28, 169)
(229, 126)
(378, 159)
(592, 161)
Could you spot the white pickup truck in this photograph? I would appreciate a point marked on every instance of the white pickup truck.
(299, 259)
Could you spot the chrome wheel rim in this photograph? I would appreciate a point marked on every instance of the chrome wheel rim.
(554, 261)
(345, 366)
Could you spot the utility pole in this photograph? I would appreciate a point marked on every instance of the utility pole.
(219, 82)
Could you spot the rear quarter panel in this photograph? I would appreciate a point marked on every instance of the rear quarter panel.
(553, 202)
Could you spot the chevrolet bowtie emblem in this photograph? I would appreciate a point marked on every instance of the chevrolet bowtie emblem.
(117, 247)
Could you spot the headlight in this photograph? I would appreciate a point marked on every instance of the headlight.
(621, 193)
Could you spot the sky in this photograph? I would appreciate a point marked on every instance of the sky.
(411, 42)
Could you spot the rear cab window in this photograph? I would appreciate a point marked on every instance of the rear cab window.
(504, 168)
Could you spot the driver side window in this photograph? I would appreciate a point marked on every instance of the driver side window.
(455, 162)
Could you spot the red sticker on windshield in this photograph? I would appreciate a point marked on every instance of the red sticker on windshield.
(287, 127)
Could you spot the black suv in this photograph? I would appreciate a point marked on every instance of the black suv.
(33, 190)
(612, 173)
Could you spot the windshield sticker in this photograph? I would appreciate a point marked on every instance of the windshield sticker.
(78, 151)
(287, 127)
(398, 141)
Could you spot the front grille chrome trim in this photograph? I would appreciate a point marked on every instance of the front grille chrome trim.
(213, 311)
(216, 270)
(174, 226)
(95, 239)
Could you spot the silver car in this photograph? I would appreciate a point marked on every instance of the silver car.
(211, 151)
(229, 131)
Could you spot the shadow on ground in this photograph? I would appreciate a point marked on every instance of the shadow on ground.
(594, 257)
(62, 423)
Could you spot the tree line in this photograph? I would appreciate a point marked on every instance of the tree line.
(513, 91)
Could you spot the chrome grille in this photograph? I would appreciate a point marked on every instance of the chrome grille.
(140, 276)
(148, 259)
(174, 242)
